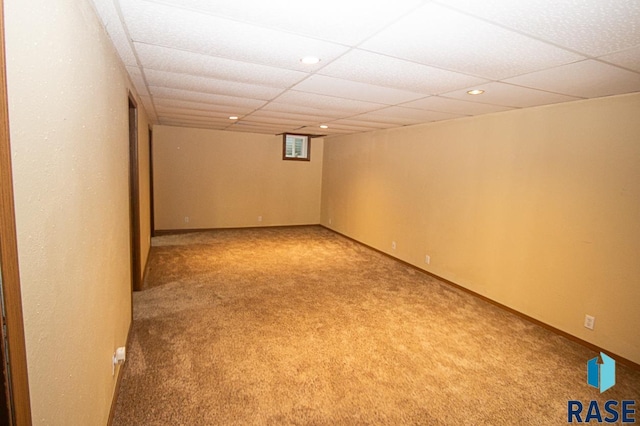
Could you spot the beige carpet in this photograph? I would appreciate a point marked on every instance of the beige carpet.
(302, 326)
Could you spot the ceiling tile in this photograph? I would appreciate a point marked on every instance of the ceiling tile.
(629, 58)
(411, 115)
(195, 113)
(188, 119)
(291, 116)
(593, 27)
(111, 20)
(360, 123)
(180, 61)
(272, 132)
(327, 102)
(319, 132)
(273, 121)
(256, 130)
(444, 38)
(339, 126)
(382, 64)
(154, 23)
(331, 86)
(587, 79)
(347, 22)
(388, 121)
(260, 127)
(138, 80)
(210, 85)
(455, 106)
(509, 95)
(149, 107)
(189, 122)
(180, 123)
(248, 122)
(298, 109)
(373, 68)
(186, 95)
(202, 107)
(394, 121)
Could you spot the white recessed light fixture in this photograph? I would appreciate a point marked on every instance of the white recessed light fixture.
(310, 60)
(475, 92)
(324, 126)
(233, 117)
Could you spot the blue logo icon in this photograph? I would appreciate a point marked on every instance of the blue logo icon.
(601, 372)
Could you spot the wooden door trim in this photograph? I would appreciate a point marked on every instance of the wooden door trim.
(19, 380)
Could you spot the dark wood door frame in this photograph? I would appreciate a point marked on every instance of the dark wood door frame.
(17, 379)
(151, 207)
(134, 195)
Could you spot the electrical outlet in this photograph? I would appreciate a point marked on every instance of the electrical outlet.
(427, 259)
(330, 221)
(589, 322)
(259, 218)
(186, 219)
(119, 356)
(393, 245)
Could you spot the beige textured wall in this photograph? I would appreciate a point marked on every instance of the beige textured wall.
(538, 209)
(69, 135)
(227, 179)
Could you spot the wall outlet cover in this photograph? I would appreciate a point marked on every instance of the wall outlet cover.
(589, 322)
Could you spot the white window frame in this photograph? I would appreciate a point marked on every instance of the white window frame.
(301, 153)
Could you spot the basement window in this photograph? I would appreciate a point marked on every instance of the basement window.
(296, 147)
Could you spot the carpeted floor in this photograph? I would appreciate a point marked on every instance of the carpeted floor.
(302, 326)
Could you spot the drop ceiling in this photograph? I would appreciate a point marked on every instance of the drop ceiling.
(383, 63)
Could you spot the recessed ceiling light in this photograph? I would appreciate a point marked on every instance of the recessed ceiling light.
(475, 92)
(324, 126)
(310, 60)
(233, 117)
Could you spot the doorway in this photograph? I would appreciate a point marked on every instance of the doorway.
(151, 205)
(134, 195)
